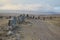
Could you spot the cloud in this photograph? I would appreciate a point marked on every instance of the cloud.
(30, 5)
(7, 5)
(56, 9)
(20, 7)
(24, 7)
(4, 1)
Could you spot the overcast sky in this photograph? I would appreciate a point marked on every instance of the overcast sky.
(31, 5)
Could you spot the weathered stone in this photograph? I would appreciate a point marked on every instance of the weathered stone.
(21, 19)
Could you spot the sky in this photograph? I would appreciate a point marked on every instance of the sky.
(31, 5)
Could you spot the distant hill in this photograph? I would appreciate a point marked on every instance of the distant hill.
(17, 12)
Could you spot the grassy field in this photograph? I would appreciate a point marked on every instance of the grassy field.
(3, 22)
(55, 21)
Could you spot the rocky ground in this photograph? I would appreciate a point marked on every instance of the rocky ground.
(32, 30)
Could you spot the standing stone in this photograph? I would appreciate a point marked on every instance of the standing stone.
(12, 23)
(21, 18)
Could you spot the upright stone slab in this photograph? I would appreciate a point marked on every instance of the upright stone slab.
(12, 23)
(21, 18)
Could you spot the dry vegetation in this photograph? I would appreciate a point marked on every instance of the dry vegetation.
(3, 21)
(55, 21)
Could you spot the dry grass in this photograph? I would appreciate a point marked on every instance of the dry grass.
(55, 21)
(3, 22)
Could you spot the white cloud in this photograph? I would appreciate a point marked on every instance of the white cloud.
(20, 7)
(7, 5)
(24, 7)
(5, 1)
(10, 7)
(56, 9)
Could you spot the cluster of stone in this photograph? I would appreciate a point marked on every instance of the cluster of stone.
(21, 19)
(12, 24)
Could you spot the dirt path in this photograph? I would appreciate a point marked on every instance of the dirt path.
(40, 30)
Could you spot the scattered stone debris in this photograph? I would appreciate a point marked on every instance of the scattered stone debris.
(11, 31)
